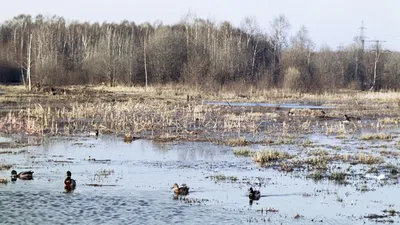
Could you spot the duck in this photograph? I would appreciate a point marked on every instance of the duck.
(348, 118)
(94, 133)
(70, 184)
(254, 195)
(3, 180)
(25, 175)
(184, 190)
(128, 137)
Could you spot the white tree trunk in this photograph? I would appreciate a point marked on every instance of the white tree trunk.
(144, 58)
(28, 63)
(375, 65)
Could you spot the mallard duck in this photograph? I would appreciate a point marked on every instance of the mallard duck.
(70, 183)
(25, 175)
(128, 137)
(180, 190)
(3, 180)
(348, 118)
(254, 195)
(94, 133)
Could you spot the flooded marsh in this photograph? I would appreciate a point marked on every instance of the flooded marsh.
(309, 167)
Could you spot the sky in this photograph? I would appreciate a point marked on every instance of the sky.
(329, 22)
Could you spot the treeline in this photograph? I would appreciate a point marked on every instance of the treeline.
(192, 52)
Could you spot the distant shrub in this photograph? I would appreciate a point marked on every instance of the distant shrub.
(292, 79)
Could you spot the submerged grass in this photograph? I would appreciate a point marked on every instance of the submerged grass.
(316, 176)
(223, 177)
(338, 177)
(5, 166)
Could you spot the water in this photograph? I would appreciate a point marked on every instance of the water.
(253, 104)
(139, 176)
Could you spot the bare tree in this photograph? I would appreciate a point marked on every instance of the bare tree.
(279, 28)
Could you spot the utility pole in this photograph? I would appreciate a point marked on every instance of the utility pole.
(359, 70)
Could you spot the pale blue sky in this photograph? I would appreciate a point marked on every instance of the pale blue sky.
(331, 22)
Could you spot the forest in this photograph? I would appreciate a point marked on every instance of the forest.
(194, 52)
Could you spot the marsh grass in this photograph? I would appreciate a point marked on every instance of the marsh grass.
(389, 120)
(377, 136)
(223, 177)
(237, 142)
(284, 141)
(369, 159)
(338, 177)
(104, 172)
(316, 176)
(5, 166)
(319, 152)
(307, 143)
(165, 111)
(266, 156)
(243, 152)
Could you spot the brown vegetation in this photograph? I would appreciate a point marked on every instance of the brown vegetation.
(55, 52)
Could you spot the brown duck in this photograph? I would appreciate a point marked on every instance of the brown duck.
(180, 190)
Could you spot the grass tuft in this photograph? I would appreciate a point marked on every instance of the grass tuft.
(378, 136)
(265, 156)
(243, 152)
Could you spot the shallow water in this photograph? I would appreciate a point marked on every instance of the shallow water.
(144, 171)
(285, 105)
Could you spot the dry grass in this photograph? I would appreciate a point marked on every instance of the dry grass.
(266, 156)
(243, 152)
(161, 110)
(368, 159)
(319, 152)
(378, 136)
(237, 142)
(388, 120)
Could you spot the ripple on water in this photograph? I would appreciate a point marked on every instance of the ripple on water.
(91, 208)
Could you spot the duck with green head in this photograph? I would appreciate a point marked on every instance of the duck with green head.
(184, 190)
(25, 175)
(70, 183)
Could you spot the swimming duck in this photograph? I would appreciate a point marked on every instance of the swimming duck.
(180, 190)
(94, 133)
(128, 137)
(70, 183)
(348, 118)
(254, 195)
(3, 180)
(25, 175)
